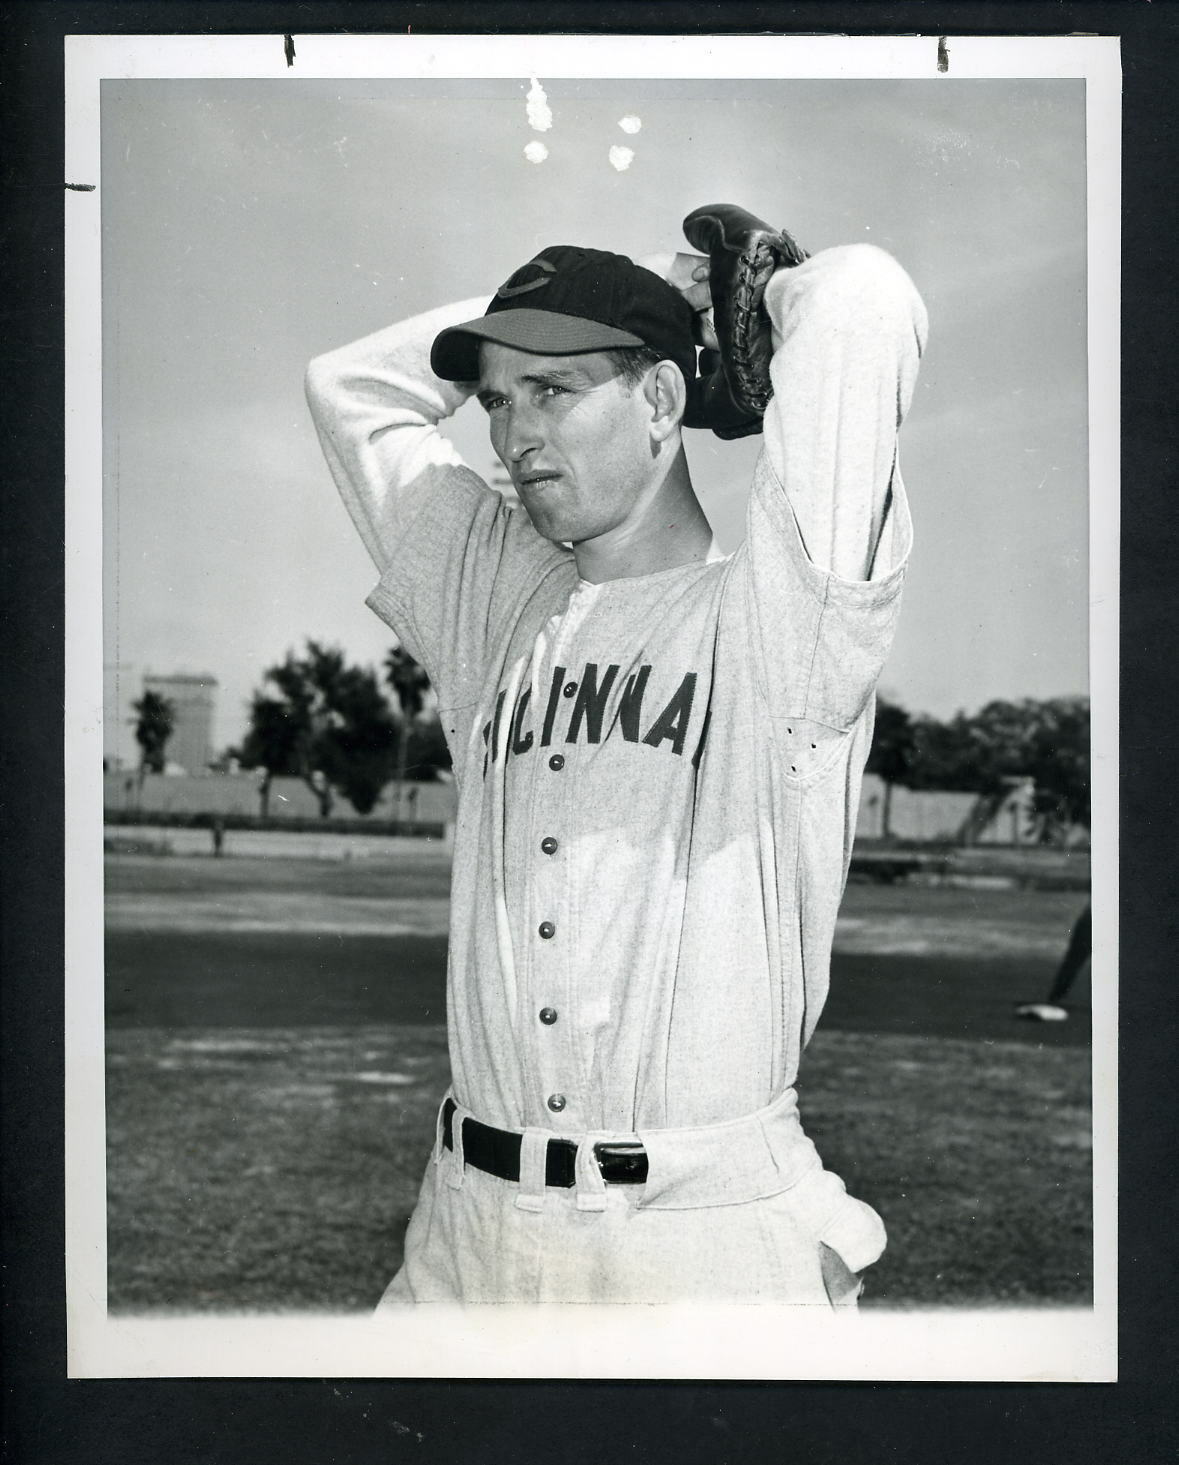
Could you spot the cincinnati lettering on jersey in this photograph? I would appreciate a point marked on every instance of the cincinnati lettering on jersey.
(664, 727)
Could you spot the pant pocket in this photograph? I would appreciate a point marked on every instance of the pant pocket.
(847, 1225)
(845, 1234)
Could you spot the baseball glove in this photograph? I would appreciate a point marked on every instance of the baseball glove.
(732, 387)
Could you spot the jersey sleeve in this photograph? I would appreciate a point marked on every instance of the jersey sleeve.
(453, 556)
(829, 531)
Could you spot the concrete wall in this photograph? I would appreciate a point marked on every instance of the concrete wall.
(941, 816)
(237, 793)
(922, 817)
(926, 816)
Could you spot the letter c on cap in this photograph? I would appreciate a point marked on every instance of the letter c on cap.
(505, 292)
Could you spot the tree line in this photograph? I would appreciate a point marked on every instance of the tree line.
(1046, 742)
(344, 730)
(348, 732)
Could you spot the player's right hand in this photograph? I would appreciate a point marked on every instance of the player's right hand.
(687, 273)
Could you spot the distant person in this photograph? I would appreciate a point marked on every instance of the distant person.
(658, 750)
(1078, 951)
(218, 836)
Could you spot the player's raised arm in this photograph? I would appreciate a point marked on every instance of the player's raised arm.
(376, 405)
(848, 329)
(822, 354)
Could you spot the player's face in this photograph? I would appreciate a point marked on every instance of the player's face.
(574, 436)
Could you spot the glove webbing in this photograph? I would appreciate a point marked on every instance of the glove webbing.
(747, 377)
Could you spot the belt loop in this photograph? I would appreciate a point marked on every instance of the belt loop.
(440, 1129)
(456, 1174)
(591, 1188)
(534, 1148)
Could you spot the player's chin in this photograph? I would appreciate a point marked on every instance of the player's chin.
(553, 527)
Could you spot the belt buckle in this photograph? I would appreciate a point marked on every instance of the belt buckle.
(622, 1162)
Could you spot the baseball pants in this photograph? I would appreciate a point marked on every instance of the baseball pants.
(738, 1212)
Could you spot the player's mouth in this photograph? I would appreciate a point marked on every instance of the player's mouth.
(536, 481)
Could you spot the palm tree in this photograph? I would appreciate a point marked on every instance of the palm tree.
(409, 684)
(155, 723)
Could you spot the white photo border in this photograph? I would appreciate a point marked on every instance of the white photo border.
(1060, 1344)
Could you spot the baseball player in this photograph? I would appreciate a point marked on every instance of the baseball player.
(658, 748)
(1078, 951)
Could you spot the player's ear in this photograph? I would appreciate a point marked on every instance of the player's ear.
(667, 397)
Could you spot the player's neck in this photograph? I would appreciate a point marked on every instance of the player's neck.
(668, 529)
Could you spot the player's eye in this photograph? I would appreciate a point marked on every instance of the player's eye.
(553, 389)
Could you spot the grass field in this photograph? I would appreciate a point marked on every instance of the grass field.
(276, 1051)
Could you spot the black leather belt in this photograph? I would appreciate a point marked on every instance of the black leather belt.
(497, 1151)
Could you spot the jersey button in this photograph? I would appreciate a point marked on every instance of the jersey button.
(547, 930)
(557, 762)
(548, 1015)
(549, 845)
(569, 689)
(556, 1102)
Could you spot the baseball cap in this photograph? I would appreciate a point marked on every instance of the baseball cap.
(567, 301)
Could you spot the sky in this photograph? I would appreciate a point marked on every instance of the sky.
(249, 225)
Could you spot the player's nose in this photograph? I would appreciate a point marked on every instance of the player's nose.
(521, 432)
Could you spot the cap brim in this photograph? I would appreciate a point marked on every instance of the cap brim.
(454, 355)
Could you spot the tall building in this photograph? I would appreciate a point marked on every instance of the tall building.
(194, 696)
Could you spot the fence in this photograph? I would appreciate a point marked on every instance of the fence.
(935, 816)
(922, 817)
(235, 797)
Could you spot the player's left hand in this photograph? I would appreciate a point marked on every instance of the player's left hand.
(687, 273)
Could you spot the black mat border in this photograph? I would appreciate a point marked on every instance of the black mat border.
(47, 1419)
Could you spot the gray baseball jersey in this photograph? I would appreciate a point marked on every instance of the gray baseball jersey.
(658, 782)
